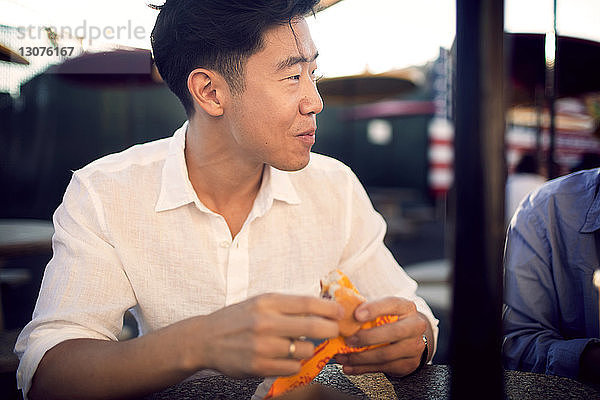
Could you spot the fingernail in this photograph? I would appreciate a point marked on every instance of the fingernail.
(362, 314)
(352, 341)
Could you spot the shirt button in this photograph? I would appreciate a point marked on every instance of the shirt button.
(224, 244)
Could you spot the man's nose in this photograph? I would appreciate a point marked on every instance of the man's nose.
(311, 103)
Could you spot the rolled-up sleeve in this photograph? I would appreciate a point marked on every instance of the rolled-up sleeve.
(84, 292)
(367, 261)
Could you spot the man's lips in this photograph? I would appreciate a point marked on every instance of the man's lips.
(307, 136)
(310, 132)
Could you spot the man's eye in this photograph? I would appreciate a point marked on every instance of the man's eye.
(294, 77)
(316, 75)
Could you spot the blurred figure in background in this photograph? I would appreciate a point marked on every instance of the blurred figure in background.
(524, 180)
(551, 305)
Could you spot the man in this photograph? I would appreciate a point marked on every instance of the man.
(551, 305)
(216, 238)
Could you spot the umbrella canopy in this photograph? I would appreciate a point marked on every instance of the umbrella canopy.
(367, 87)
(8, 55)
(323, 4)
(122, 66)
(577, 63)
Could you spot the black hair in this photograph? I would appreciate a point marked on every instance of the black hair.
(215, 34)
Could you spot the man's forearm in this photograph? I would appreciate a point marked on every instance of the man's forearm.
(250, 338)
(98, 369)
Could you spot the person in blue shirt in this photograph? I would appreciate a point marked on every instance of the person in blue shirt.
(551, 321)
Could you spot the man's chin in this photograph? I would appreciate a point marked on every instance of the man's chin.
(291, 166)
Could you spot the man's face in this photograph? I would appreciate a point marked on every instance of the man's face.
(273, 121)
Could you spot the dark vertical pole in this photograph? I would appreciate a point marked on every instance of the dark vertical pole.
(551, 63)
(479, 212)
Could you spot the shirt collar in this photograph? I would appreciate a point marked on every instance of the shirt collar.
(281, 186)
(592, 218)
(176, 189)
(276, 185)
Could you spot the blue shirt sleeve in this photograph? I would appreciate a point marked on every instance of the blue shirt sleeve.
(532, 318)
(563, 357)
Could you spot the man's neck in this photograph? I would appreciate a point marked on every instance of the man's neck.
(223, 182)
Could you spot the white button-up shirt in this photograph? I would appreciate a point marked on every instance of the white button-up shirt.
(132, 233)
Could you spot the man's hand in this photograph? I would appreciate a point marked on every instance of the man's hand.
(252, 338)
(405, 337)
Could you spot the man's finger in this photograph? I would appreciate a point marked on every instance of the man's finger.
(408, 348)
(390, 305)
(300, 305)
(282, 347)
(410, 327)
(294, 326)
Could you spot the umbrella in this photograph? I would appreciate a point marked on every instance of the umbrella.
(577, 63)
(8, 55)
(323, 4)
(367, 87)
(116, 67)
(576, 74)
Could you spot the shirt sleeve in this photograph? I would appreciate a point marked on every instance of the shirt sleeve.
(84, 292)
(368, 262)
(532, 340)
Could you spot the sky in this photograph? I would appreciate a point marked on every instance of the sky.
(352, 36)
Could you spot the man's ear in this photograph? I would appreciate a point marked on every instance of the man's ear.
(208, 89)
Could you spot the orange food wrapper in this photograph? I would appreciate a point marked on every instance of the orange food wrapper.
(341, 289)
